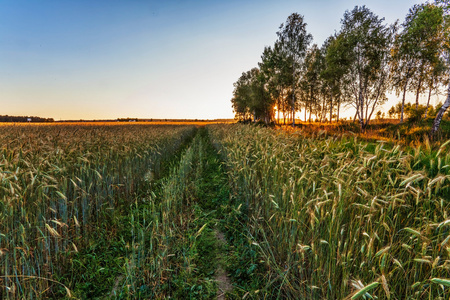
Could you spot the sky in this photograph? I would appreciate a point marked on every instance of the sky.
(92, 59)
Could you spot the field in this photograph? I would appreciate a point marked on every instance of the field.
(138, 210)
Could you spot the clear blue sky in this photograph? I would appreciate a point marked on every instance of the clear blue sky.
(149, 59)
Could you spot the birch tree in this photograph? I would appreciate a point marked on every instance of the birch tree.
(369, 43)
(294, 40)
(444, 7)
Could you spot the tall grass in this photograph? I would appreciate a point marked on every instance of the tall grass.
(336, 217)
(171, 254)
(61, 187)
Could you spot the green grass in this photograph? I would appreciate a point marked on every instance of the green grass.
(193, 197)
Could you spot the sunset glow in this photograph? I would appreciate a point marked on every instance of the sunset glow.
(144, 59)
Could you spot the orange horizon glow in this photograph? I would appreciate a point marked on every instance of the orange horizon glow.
(116, 123)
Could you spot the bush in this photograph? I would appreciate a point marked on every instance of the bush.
(415, 115)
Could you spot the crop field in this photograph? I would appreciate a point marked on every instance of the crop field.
(64, 189)
(227, 211)
(337, 218)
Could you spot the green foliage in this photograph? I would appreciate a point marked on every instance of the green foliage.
(250, 97)
(311, 83)
(415, 115)
(94, 270)
(369, 42)
(416, 49)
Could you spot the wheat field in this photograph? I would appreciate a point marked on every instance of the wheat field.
(334, 217)
(129, 211)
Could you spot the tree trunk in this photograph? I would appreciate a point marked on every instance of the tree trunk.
(293, 97)
(338, 107)
(403, 100)
(418, 93)
(310, 109)
(428, 102)
(440, 114)
(323, 111)
(366, 115)
(278, 119)
(361, 111)
(331, 108)
(279, 107)
(305, 112)
(293, 116)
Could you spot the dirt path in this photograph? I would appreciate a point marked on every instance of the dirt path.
(221, 276)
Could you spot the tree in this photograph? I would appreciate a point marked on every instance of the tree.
(268, 68)
(444, 7)
(277, 68)
(242, 97)
(403, 64)
(391, 112)
(336, 63)
(250, 97)
(438, 75)
(424, 26)
(368, 72)
(294, 41)
(416, 62)
(415, 53)
(311, 81)
(378, 115)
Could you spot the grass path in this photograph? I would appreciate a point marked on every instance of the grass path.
(210, 200)
(195, 197)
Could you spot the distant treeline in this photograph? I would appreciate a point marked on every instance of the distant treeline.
(150, 120)
(7, 118)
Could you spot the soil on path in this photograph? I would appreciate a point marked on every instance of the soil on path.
(221, 276)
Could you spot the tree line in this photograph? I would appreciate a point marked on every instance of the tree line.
(7, 118)
(354, 68)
